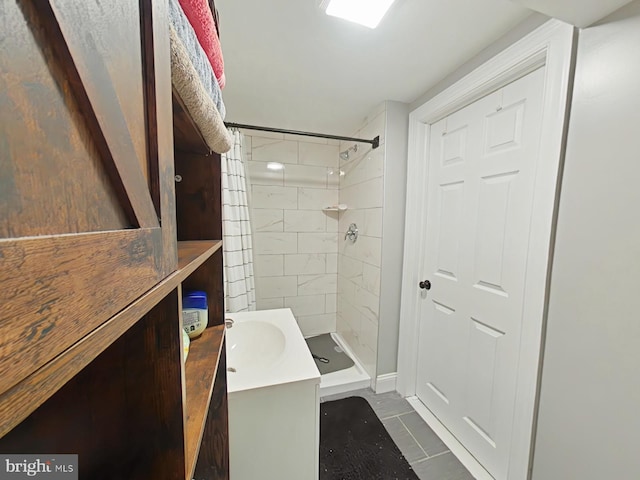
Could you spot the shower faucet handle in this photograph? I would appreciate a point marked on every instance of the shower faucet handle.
(352, 233)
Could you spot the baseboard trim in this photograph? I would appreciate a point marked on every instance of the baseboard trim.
(386, 383)
(461, 453)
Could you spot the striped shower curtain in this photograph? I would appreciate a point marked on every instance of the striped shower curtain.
(237, 250)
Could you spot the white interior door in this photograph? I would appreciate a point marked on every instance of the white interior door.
(482, 170)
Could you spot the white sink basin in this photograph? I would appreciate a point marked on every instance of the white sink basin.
(253, 346)
(265, 349)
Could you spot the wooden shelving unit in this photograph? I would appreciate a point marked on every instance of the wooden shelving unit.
(93, 262)
(192, 254)
(200, 379)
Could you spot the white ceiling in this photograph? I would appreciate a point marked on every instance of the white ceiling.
(289, 65)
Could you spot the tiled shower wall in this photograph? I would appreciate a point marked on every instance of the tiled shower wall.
(295, 241)
(362, 190)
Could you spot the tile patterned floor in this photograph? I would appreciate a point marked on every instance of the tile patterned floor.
(425, 452)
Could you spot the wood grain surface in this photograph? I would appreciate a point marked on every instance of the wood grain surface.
(55, 290)
(213, 458)
(85, 28)
(198, 196)
(200, 374)
(52, 177)
(157, 81)
(22, 399)
(122, 414)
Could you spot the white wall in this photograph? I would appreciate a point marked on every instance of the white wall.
(395, 188)
(295, 242)
(589, 419)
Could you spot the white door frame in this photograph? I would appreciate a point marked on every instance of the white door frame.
(549, 47)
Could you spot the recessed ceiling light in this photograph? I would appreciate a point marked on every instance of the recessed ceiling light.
(365, 12)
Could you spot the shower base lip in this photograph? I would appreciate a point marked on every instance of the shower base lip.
(346, 380)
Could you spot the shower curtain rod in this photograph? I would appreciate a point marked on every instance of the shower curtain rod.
(375, 143)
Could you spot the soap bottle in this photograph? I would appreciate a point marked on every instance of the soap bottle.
(194, 313)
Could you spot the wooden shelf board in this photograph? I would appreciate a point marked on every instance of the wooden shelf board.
(200, 374)
(193, 253)
(32, 391)
(186, 134)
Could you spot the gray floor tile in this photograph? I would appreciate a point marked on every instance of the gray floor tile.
(403, 439)
(426, 437)
(388, 405)
(442, 467)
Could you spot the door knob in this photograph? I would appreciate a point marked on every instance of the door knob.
(425, 285)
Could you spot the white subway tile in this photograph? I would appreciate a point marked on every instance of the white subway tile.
(361, 169)
(312, 325)
(269, 265)
(275, 243)
(317, 243)
(304, 139)
(367, 358)
(369, 334)
(332, 263)
(367, 194)
(331, 301)
(305, 176)
(366, 249)
(350, 269)
(347, 289)
(269, 303)
(271, 287)
(316, 154)
(367, 304)
(306, 304)
(371, 278)
(333, 177)
(332, 221)
(259, 174)
(348, 315)
(267, 220)
(347, 218)
(346, 332)
(274, 150)
(270, 196)
(317, 284)
(372, 225)
(306, 263)
(316, 198)
(304, 221)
